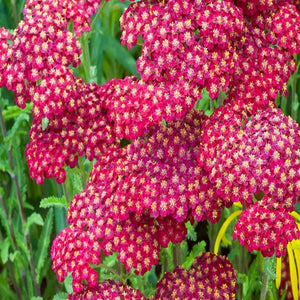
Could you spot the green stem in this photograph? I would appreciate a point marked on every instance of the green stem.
(65, 190)
(177, 256)
(86, 56)
(211, 238)
(82, 171)
(15, 14)
(20, 205)
(294, 99)
(107, 268)
(264, 288)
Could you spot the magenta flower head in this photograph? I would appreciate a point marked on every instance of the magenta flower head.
(245, 157)
(73, 251)
(267, 227)
(210, 277)
(108, 289)
(192, 40)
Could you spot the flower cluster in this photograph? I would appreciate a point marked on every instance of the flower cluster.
(137, 239)
(188, 40)
(77, 11)
(73, 251)
(134, 106)
(210, 277)
(159, 173)
(40, 44)
(108, 289)
(244, 157)
(265, 66)
(4, 49)
(267, 227)
(77, 124)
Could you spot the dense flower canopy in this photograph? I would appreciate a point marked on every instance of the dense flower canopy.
(210, 277)
(180, 165)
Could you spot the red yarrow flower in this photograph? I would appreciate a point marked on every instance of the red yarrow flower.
(267, 227)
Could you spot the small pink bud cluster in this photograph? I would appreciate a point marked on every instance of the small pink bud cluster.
(210, 277)
(108, 289)
(267, 227)
(73, 251)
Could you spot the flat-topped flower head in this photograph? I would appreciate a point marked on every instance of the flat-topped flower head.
(267, 227)
(137, 239)
(210, 277)
(189, 40)
(73, 251)
(248, 156)
(108, 289)
(77, 125)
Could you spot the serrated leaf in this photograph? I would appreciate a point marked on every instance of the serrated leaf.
(21, 242)
(14, 255)
(60, 296)
(11, 133)
(4, 250)
(43, 244)
(77, 183)
(34, 218)
(54, 202)
(93, 73)
(14, 111)
(269, 264)
(196, 251)
(191, 234)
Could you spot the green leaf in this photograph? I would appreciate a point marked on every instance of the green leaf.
(21, 242)
(191, 234)
(14, 111)
(34, 218)
(14, 255)
(93, 73)
(45, 123)
(77, 183)
(203, 104)
(6, 292)
(54, 202)
(121, 54)
(269, 264)
(4, 250)
(36, 298)
(18, 122)
(43, 244)
(68, 283)
(60, 296)
(196, 251)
